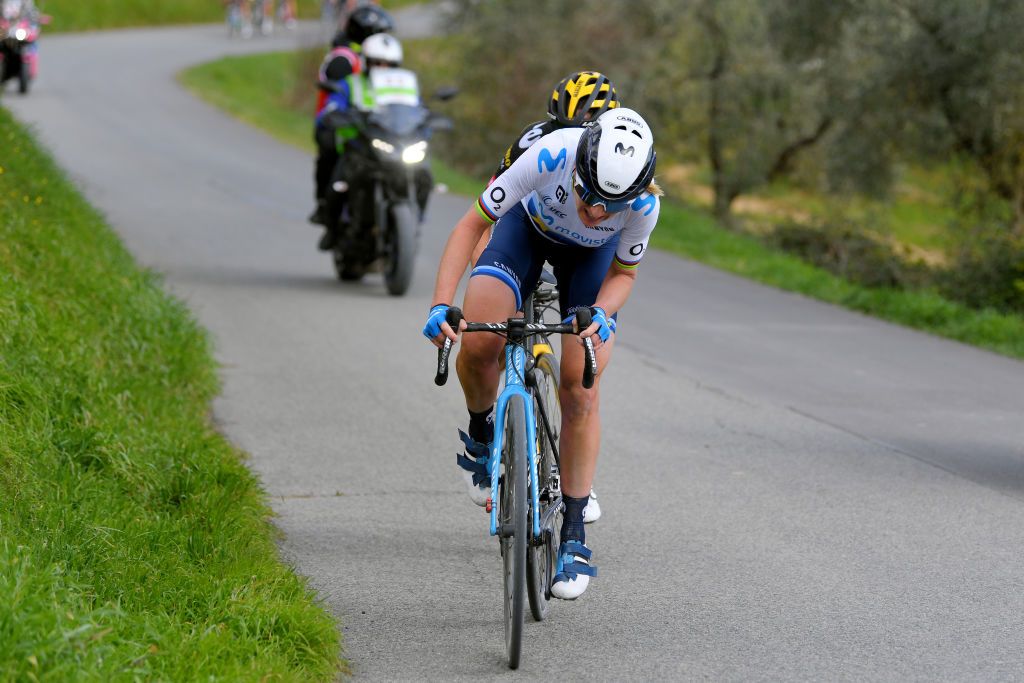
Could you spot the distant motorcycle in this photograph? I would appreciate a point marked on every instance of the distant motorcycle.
(18, 35)
(387, 176)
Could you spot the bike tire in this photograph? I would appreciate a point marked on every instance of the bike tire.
(542, 557)
(399, 248)
(23, 80)
(513, 496)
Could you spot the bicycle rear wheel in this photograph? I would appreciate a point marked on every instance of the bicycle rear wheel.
(513, 496)
(542, 557)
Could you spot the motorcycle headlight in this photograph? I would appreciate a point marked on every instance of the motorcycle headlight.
(414, 154)
(21, 34)
(383, 146)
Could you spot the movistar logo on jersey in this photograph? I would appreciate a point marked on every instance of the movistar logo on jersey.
(545, 160)
(539, 215)
(645, 202)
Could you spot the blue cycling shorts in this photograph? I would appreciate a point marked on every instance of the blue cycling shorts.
(517, 252)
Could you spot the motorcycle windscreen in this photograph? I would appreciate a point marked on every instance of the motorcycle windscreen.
(399, 119)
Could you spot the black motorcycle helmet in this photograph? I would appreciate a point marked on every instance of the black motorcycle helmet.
(363, 23)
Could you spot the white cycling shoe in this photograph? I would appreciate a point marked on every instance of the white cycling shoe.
(592, 512)
(477, 493)
(572, 575)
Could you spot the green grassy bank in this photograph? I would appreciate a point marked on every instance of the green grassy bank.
(134, 543)
(83, 15)
(282, 110)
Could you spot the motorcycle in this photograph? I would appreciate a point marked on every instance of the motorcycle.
(18, 35)
(387, 176)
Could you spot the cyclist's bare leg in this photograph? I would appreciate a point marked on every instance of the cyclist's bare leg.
(487, 300)
(581, 419)
(479, 248)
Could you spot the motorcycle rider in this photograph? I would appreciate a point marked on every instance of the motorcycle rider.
(334, 107)
(14, 12)
(18, 10)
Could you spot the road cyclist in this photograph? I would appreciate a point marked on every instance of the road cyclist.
(576, 100)
(583, 199)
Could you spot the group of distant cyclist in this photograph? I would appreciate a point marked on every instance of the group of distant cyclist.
(248, 17)
(575, 190)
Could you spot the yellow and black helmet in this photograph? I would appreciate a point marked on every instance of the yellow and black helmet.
(582, 97)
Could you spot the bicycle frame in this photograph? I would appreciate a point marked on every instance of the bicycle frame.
(515, 373)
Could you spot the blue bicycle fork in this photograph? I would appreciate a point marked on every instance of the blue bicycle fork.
(515, 369)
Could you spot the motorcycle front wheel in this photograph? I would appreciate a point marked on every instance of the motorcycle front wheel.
(348, 270)
(399, 248)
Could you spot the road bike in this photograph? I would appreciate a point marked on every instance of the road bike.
(526, 498)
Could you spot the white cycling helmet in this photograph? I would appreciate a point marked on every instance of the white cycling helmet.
(382, 49)
(615, 158)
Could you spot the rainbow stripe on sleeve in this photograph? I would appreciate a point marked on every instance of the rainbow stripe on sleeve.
(487, 214)
(625, 266)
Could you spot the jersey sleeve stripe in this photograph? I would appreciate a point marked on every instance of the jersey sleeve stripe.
(485, 212)
(624, 264)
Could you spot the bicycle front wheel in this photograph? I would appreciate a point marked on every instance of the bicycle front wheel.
(513, 496)
(542, 557)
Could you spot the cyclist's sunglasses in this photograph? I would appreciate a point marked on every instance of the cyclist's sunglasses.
(591, 198)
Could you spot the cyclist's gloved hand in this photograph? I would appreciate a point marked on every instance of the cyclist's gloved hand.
(434, 321)
(605, 327)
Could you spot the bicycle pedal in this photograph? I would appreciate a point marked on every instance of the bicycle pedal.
(489, 505)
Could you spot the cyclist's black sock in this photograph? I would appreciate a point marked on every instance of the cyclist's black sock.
(572, 518)
(481, 425)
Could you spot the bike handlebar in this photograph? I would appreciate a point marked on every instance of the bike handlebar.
(583, 320)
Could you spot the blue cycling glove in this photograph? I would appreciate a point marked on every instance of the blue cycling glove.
(604, 329)
(434, 320)
(605, 325)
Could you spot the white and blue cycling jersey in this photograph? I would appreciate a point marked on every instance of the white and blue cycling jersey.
(541, 180)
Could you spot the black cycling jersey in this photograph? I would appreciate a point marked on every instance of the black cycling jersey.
(533, 132)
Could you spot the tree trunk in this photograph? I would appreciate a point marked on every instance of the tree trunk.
(723, 201)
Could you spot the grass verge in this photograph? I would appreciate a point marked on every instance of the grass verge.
(84, 15)
(134, 544)
(682, 229)
(76, 15)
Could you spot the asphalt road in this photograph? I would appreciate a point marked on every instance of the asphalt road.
(791, 491)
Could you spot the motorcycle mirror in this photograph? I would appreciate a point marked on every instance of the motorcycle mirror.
(441, 124)
(446, 92)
